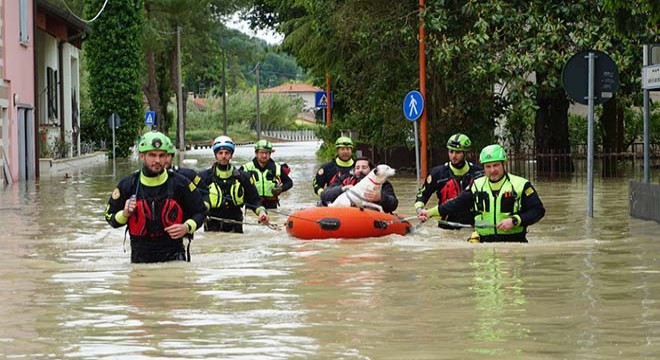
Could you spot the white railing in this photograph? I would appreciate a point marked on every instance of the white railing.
(291, 135)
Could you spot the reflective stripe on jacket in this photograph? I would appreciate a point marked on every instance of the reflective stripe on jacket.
(226, 189)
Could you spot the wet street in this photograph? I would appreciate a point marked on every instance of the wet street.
(581, 289)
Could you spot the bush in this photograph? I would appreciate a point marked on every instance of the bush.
(276, 112)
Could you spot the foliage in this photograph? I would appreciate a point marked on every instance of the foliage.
(371, 64)
(628, 13)
(633, 129)
(488, 62)
(113, 55)
(276, 112)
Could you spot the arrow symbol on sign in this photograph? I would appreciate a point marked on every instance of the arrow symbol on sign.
(412, 107)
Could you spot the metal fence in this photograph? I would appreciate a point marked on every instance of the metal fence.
(87, 147)
(573, 163)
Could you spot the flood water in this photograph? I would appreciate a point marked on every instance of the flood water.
(579, 290)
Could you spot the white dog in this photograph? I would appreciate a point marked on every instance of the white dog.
(355, 195)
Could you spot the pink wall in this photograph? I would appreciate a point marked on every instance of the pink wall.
(19, 71)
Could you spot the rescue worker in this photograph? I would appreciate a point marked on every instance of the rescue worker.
(228, 190)
(340, 165)
(160, 207)
(270, 178)
(190, 174)
(504, 204)
(385, 197)
(448, 180)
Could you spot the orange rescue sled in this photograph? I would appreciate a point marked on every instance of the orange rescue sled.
(344, 222)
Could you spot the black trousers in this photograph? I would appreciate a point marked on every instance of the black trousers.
(138, 257)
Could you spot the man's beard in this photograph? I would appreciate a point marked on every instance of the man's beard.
(147, 172)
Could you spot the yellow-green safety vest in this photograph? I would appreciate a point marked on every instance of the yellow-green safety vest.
(264, 186)
(489, 208)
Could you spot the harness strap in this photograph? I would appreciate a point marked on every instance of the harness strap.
(188, 247)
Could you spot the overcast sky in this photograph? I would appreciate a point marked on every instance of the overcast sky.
(270, 37)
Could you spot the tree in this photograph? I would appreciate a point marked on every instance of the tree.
(113, 55)
(489, 63)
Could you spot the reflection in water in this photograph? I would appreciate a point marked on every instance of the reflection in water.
(574, 292)
(498, 292)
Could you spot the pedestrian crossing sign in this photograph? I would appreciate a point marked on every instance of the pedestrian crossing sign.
(322, 99)
(150, 118)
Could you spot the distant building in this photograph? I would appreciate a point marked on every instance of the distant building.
(306, 92)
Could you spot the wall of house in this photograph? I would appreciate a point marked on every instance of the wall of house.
(66, 95)
(18, 61)
(309, 99)
(4, 98)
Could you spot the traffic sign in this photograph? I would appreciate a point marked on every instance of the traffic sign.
(150, 118)
(321, 99)
(114, 121)
(651, 77)
(413, 105)
(575, 77)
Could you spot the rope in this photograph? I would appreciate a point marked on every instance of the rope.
(232, 221)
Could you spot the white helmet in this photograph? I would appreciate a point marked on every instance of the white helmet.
(223, 142)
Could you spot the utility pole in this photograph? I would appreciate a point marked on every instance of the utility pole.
(224, 94)
(328, 108)
(422, 89)
(258, 119)
(179, 93)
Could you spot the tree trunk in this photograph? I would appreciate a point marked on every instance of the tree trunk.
(164, 91)
(609, 129)
(553, 150)
(174, 80)
(150, 89)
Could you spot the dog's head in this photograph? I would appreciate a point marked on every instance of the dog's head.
(382, 172)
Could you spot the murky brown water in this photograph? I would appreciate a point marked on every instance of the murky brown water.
(579, 290)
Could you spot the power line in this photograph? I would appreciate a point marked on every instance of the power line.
(83, 20)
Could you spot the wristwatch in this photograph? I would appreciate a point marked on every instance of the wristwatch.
(514, 221)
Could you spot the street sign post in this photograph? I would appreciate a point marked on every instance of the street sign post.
(413, 106)
(321, 100)
(114, 120)
(590, 77)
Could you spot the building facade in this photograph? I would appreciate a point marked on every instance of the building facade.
(39, 86)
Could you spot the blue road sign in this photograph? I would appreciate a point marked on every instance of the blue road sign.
(150, 118)
(413, 105)
(322, 100)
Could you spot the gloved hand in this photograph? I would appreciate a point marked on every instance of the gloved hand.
(277, 190)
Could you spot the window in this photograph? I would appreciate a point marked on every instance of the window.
(51, 92)
(23, 15)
